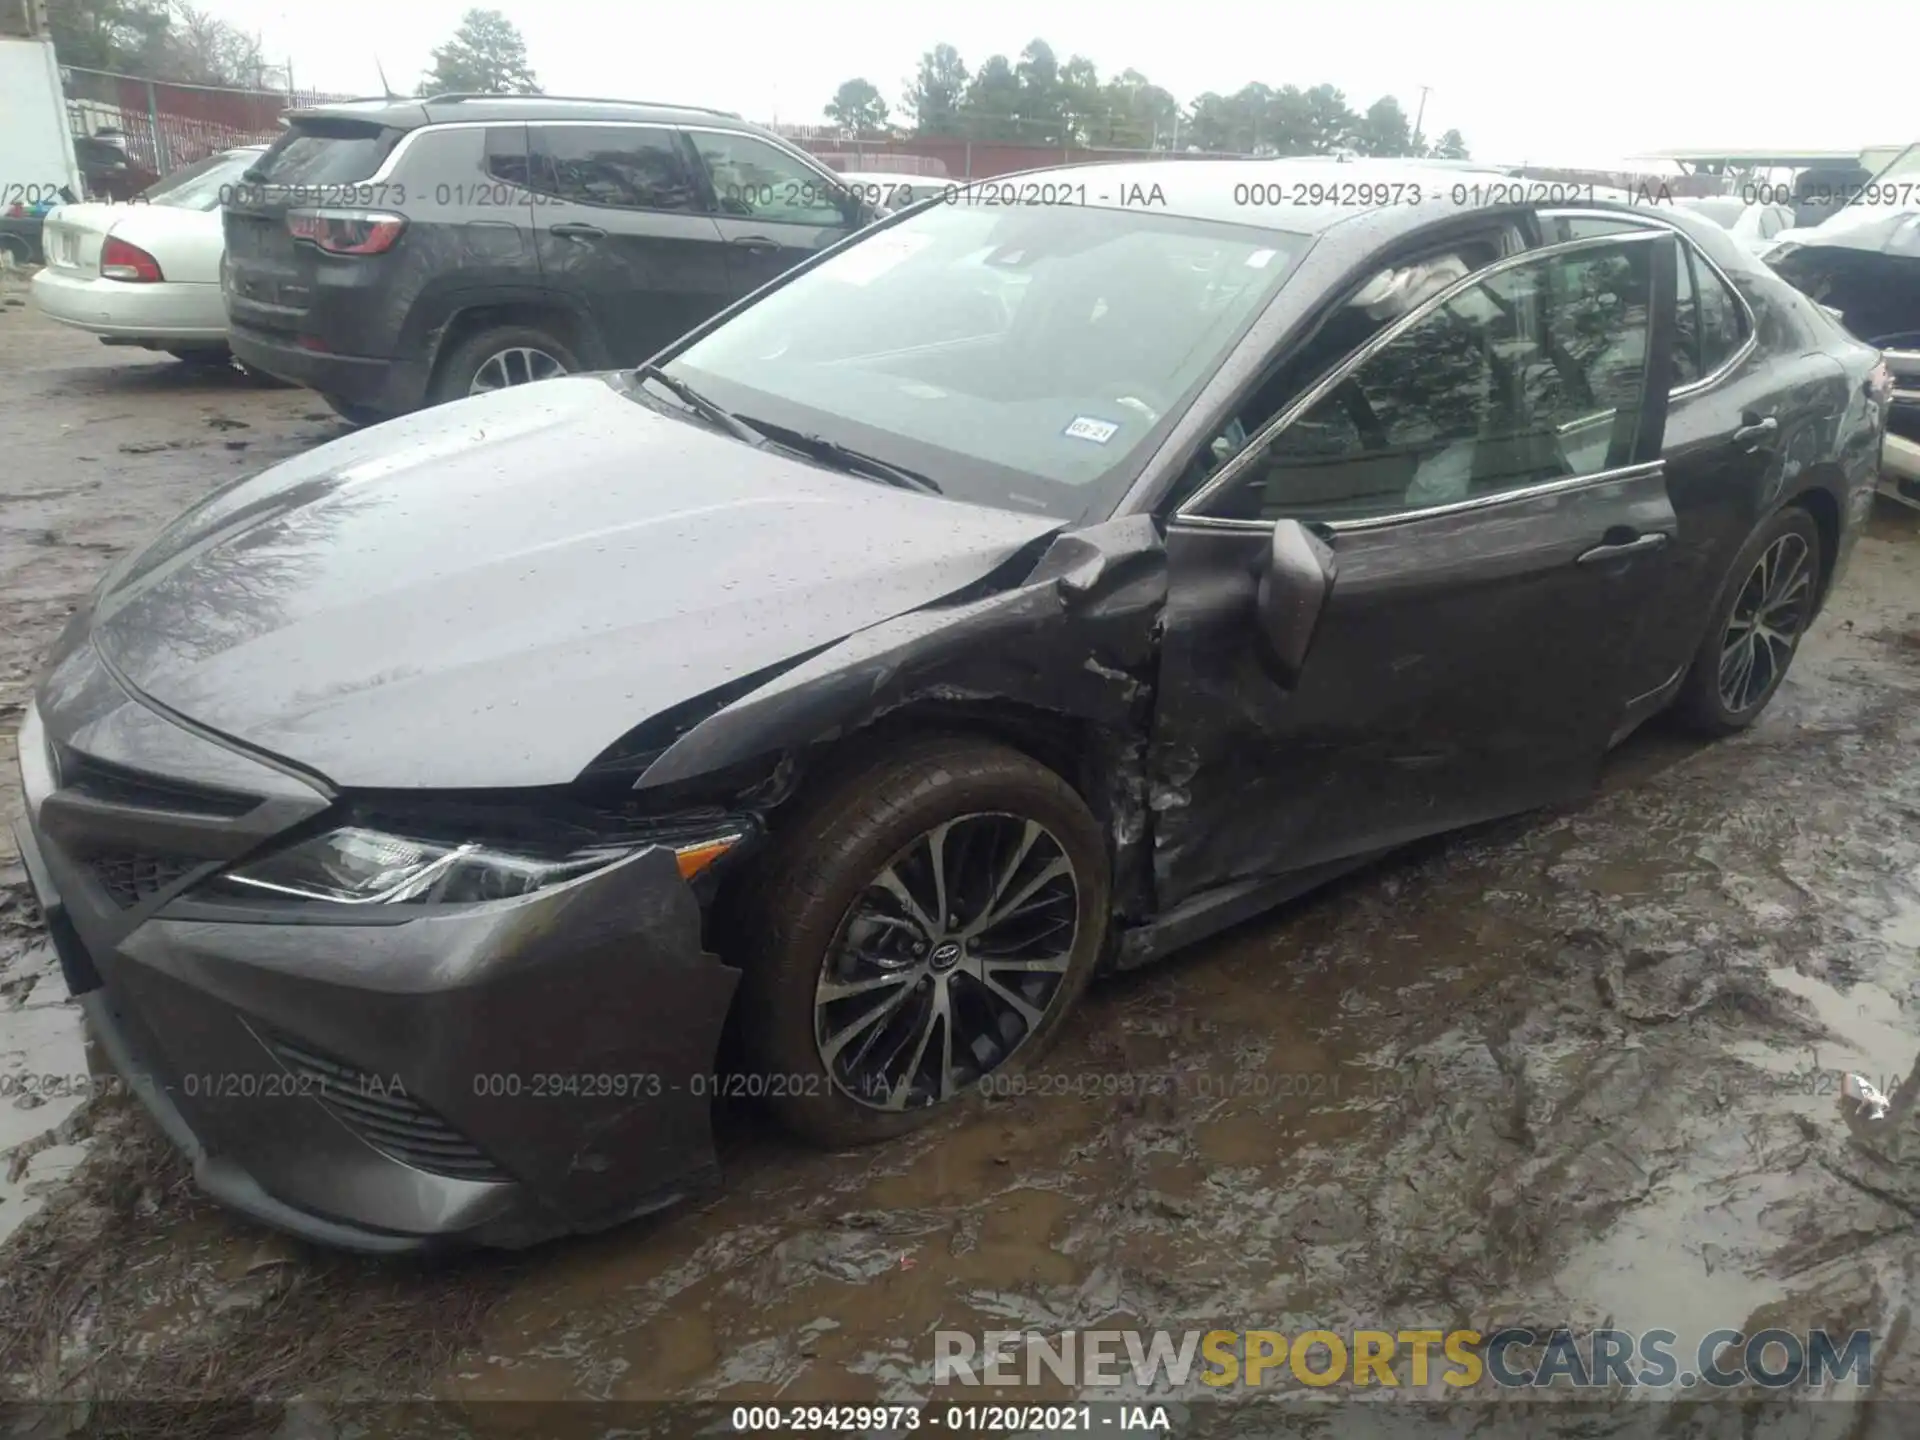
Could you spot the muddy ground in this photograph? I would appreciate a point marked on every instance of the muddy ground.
(1575, 1068)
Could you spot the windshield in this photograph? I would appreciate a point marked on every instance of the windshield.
(200, 185)
(1019, 357)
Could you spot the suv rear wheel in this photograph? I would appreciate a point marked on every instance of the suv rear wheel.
(495, 358)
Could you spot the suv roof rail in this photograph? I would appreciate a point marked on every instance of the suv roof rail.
(454, 97)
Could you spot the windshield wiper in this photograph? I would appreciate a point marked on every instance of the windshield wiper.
(851, 461)
(701, 405)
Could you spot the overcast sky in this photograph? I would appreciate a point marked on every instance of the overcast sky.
(1520, 79)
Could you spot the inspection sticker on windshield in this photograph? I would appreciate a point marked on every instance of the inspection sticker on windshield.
(1259, 258)
(1086, 427)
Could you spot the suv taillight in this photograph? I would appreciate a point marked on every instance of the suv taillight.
(121, 261)
(347, 232)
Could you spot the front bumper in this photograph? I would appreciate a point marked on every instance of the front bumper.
(486, 1075)
(115, 309)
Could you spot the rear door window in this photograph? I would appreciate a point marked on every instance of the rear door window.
(327, 152)
(507, 154)
(622, 167)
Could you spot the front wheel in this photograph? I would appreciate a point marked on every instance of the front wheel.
(924, 925)
(1757, 623)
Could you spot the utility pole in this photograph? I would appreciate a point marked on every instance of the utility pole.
(1418, 116)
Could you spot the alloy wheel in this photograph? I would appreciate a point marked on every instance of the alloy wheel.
(1761, 635)
(947, 961)
(520, 365)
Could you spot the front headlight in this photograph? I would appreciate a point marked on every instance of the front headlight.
(357, 866)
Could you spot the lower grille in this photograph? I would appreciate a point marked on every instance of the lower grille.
(381, 1113)
(131, 878)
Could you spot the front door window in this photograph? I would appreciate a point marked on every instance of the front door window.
(1534, 374)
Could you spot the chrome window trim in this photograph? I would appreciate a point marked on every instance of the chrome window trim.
(1240, 463)
(1733, 361)
(405, 143)
(806, 160)
(1563, 485)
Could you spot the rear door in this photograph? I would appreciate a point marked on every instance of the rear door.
(1486, 477)
(1740, 416)
(623, 235)
(774, 208)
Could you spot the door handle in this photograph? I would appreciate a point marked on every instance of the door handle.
(574, 230)
(1639, 545)
(1751, 435)
(759, 244)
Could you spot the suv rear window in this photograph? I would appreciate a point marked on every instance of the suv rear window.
(327, 152)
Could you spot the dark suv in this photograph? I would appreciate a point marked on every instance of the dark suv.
(396, 253)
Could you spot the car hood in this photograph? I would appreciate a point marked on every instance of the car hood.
(490, 593)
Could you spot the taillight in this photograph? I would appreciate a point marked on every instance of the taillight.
(346, 232)
(122, 261)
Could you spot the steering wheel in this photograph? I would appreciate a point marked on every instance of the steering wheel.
(1359, 410)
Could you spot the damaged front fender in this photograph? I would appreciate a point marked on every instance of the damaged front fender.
(1075, 640)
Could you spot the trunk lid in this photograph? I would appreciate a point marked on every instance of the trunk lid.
(269, 276)
(74, 234)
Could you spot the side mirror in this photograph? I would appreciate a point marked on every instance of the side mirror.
(1293, 593)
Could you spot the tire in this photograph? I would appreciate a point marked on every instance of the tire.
(459, 370)
(353, 412)
(815, 894)
(1789, 542)
(16, 249)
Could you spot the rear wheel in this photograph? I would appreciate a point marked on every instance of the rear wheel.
(15, 249)
(498, 358)
(1758, 621)
(924, 925)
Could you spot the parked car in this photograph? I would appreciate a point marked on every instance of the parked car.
(146, 273)
(1754, 226)
(1863, 266)
(108, 171)
(395, 254)
(892, 653)
(21, 229)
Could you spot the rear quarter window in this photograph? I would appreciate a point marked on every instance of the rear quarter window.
(327, 152)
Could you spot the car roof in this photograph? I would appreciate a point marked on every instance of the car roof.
(1304, 196)
(398, 113)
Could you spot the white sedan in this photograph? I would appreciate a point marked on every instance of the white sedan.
(147, 272)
